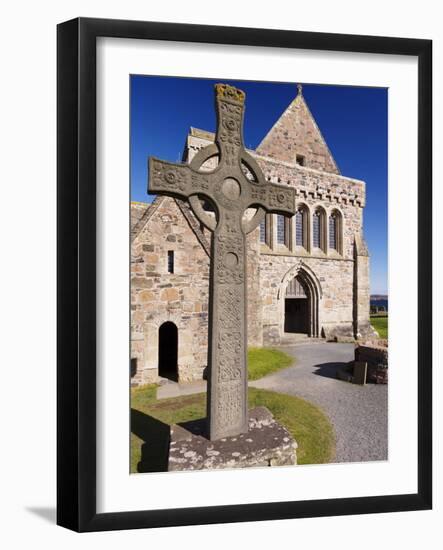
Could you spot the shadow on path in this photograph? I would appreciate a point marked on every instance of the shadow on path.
(329, 370)
(156, 436)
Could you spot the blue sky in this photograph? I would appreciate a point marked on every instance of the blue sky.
(352, 120)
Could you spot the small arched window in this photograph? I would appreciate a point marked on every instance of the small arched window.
(301, 227)
(335, 231)
(263, 231)
(318, 229)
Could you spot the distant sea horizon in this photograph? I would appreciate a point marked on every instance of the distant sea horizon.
(379, 300)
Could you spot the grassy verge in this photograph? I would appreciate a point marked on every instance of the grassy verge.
(380, 324)
(263, 361)
(150, 421)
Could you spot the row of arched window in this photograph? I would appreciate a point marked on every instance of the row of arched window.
(322, 233)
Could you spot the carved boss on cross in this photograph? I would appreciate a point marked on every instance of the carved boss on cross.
(235, 184)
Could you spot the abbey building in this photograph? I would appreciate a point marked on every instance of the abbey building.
(308, 276)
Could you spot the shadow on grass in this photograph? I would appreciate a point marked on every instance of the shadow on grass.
(156, 437)
(329, 370)
(196, 427)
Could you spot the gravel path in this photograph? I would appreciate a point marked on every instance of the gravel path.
(358, 413)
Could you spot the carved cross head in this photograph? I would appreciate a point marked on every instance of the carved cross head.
(234, 185)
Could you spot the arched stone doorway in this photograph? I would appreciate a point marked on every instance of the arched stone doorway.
(297, 307)
(168, 351)
(299, 297)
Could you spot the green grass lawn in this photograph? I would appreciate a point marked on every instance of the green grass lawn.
(380, 324)
(150, 421)
(263, 361)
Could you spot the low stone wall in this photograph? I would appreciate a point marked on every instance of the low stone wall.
(372, 353)
(375, 354)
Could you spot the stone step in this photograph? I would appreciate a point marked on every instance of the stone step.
(292, 339)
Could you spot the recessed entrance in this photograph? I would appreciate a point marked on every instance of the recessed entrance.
(167, 351)
(297, 307)
(296, 315)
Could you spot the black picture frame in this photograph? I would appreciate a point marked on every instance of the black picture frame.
(76, 265)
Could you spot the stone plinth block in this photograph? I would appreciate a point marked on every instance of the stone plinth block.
(375, 354)
(267, 443)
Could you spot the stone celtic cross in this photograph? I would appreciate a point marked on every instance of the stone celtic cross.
(236, 184)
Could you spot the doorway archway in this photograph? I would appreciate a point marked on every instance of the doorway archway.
(299, 296)
(168, 351)
(297, 307)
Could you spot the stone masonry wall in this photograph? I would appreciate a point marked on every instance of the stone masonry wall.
(182, 297)
(330, 191)
(158, 296)
(335, 279)
(255, 312)
(363, 327)
(296, 133)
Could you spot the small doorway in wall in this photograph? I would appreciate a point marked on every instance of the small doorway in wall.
(168, 351)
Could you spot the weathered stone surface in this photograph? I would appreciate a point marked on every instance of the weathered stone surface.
(296, 137)
(267, 443)
(189, 282)
(372, 352)
(232, 190)
(375, 354)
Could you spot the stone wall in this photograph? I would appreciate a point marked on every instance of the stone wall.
(253, 274)
(182, 297)
(362, 325)
(333, 279)
(329, 191)
(158, 296)
(296, 133)
(375, 354)
(372, 354)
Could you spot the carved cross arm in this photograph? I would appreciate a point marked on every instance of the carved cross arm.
(176, 180)
(273, 198)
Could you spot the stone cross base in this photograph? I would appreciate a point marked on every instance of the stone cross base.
(267, 443)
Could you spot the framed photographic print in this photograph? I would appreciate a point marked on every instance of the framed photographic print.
(244, 274)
